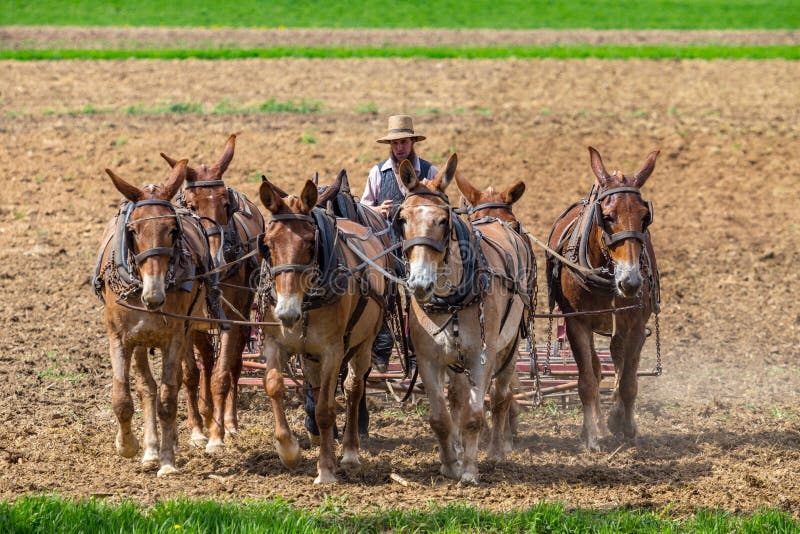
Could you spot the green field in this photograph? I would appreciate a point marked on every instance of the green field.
(509, 14)
(52, 514)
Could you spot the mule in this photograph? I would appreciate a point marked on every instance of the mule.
(329, 305)
(612, 264)
(233, 224)
(149, 257)
(492, 206)
(456, 320)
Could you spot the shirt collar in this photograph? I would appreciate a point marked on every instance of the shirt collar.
(414, 161)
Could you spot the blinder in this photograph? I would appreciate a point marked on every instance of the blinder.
(290, 267)
(611, 239)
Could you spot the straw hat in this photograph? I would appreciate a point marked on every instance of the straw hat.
(400, 127)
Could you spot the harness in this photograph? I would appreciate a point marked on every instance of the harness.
(328, 266)
(474, 278)
(120, 272)
(576, 236)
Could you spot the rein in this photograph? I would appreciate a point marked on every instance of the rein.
(195, 319)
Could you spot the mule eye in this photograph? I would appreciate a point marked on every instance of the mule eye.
(609, 219)
(442, 223)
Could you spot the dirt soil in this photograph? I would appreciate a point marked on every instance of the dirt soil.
(29, 37)
(720, 428)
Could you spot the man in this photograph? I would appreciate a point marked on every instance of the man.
(384, 190)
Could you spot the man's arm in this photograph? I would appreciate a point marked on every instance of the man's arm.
(371, 189)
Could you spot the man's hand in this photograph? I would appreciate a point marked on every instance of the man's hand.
(385, 209)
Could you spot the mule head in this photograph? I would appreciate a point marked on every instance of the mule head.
(290, 238)
(153, 230)
(490, 202)
(423, 222)
(622, 220)
(205, 193)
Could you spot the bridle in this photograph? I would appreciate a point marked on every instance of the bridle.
(217, 228)
(301, 268)
(155, 251)
(612, 239)
(439, 245)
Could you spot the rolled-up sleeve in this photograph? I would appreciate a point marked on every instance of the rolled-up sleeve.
(372, 188)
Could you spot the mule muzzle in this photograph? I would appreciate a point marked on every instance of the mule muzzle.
(153, 293)
(628, 281)
(288, 310)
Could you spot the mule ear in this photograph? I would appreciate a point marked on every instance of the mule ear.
(308, 198)
(446, 175)
(643, 174)
(471, 194)
(281, 192)
(332, 190)
(407, 175)
(598, 168)
(175, 180)
(513, 193)
(221, 165)
(191, 174)
(130, 192)
(269, 196)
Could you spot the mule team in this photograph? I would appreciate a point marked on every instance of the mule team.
(169, 273)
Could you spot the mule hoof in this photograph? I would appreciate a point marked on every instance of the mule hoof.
(289, 453)
(214, 446)
(166, 470)
(150, 459)
(451, 471)
(326, 478)
(591, 445)
(469, 478)
(127, 446)
(351, 464)
(231, 429)
(198, 439)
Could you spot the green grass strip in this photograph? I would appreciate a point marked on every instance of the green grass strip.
(556, 52)
(508, 14)
(57, 515)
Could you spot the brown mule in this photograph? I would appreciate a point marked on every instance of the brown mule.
(233, 224)
(455, 321)
(489, 209)
(166, 248)
(607, 236)
(330, 307)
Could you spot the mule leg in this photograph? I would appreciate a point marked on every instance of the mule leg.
(325, 413)
(501, 400)
(285, 442)
(580, 340)
(627, 348)
(191, 383)
(231, 402)
(221, 383)
(146, 390)
(121, 401)
(441, 423)
(171, 370)
(472, 416)
(355, 390)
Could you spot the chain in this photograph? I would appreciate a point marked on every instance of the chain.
(546, 370)
(482, 321)
(658, 347)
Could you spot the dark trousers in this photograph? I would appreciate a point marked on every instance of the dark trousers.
(363, 414)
